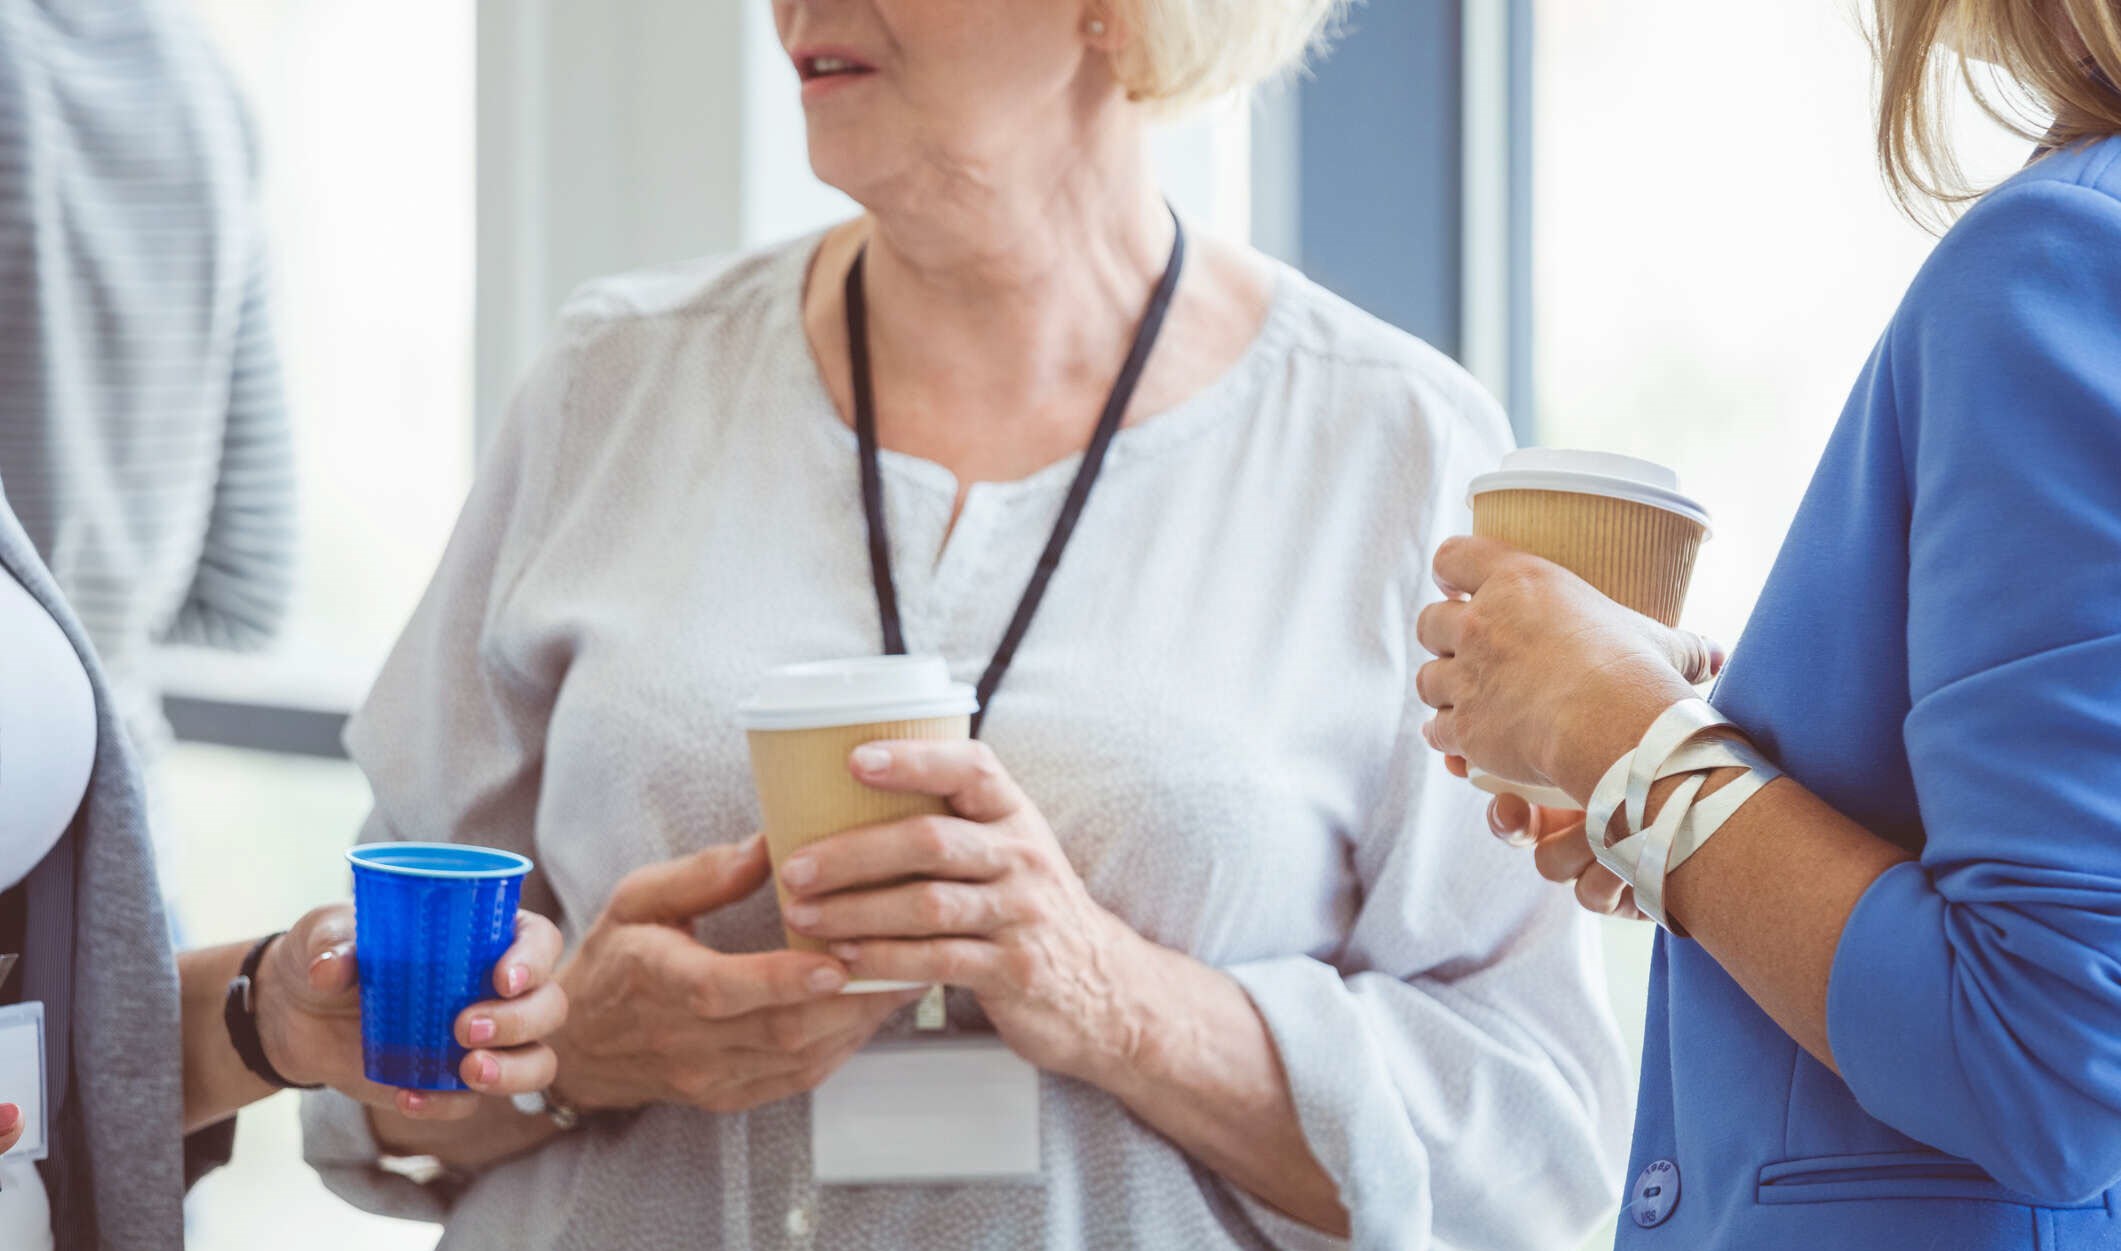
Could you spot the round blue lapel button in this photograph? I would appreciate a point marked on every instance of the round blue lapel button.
(1656, 1194)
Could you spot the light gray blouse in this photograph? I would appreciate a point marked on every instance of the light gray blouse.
(1214, 709)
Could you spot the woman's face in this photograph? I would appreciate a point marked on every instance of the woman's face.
(895, 90)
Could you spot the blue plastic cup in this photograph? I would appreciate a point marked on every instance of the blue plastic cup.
(430, 922)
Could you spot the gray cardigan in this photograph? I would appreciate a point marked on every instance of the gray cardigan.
(108, 983)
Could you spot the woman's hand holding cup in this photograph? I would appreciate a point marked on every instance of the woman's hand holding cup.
(660, 1018)
(309, 1017)
(984, 899)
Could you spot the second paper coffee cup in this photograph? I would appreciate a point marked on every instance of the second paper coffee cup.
(805, 720)
(1619, 523)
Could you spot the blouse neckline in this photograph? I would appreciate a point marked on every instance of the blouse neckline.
(1194, 415)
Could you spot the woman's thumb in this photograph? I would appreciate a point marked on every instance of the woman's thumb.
(676, 891)
(1697, 657)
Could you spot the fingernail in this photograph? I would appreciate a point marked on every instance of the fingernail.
(481, 1030)
(487, 1071)
(415, 1101)
(872, 759)
(10, 1116)
(802, 916)
(513, 981)
(825, 977)
(799, 872)
(1495, 822)
(847, 953)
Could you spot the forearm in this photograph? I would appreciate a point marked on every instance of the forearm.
(1769, 895)
(216, 1082)
(494, 1133)
(1203, 1071)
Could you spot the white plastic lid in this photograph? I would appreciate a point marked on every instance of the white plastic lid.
(1591, 473)
(852, 692)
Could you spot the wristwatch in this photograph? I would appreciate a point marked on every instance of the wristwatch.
(239, 1012)
(548, 1104)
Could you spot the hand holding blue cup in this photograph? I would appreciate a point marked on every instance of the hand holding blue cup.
(431, 922)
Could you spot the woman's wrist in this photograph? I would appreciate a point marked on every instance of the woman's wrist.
(1128, 1052)
(1605, 726)
(287, 1048)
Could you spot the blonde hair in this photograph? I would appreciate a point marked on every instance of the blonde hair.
(1179, 53)
(2046, 69)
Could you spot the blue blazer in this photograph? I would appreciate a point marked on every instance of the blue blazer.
(1938, 655)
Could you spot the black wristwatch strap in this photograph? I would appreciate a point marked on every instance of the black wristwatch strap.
(240, 1013)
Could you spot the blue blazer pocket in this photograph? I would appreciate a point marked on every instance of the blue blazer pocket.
(1886, 1175)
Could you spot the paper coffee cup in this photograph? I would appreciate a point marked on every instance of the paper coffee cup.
(1619, 523)
(805, 720)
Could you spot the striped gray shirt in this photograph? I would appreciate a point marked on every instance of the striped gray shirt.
(143, 439)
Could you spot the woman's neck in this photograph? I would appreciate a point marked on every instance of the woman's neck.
(1009, 295)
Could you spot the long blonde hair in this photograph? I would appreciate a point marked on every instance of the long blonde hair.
(2044, 68)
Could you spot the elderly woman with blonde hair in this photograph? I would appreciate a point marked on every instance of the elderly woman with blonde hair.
(1269, 979)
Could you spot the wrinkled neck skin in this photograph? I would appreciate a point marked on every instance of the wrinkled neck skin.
(1018, 272)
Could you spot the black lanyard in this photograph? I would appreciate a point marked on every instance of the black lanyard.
(1079, 494)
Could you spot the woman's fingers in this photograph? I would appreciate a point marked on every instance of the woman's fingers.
(11, 1127)
(1441, 732)
(1464, 563)
(1697, 657)
(1600, 890)
(530, 962)
(965, 772)
(910, 910)
(675, 891)
(1436, 683)
(722, 986)
(514, 1022)
(437, 1105)
(929, 846)
(793, 1032)
(1514, 820)
(333, 971)
(945, 961)
(1564, 855)
(516, 1071)
(1438, 625)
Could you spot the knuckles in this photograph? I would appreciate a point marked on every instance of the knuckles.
(785, 1032)
(986, 765)
(932, 840)
(939, 906)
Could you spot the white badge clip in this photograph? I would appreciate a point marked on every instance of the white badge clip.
(927, 1110)
(22, 1074)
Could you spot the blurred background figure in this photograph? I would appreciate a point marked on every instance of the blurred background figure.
(144, 442)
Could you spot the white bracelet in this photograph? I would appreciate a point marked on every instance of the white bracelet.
(1689, 740)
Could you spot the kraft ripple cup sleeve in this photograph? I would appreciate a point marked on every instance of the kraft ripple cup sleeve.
(431, 920)
(1618, 522)
(804, 721)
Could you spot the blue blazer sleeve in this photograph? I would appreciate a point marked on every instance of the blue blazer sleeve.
(1975, 1002)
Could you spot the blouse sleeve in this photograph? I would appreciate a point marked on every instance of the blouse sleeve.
(1455, 1066)
(452, 736)
(1975, 1001)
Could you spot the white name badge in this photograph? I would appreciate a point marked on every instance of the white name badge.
(927, 1110)
(22, 1074)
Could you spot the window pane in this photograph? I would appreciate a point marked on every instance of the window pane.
(365, 111)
